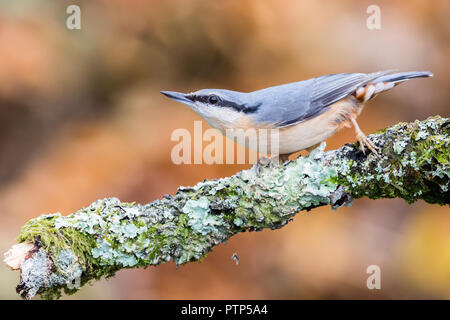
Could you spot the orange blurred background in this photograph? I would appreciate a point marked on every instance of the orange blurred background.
(81, 118)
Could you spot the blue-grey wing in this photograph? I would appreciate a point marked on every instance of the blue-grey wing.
(297, 102)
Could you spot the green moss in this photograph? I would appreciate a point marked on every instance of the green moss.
(42, 230)
(415, 164)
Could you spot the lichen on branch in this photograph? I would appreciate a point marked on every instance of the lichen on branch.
(110, 235)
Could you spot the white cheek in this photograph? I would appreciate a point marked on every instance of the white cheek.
(218, 117)
(209, 114)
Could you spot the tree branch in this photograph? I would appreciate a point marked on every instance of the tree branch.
(110, 235)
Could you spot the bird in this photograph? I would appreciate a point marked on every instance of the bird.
(303, 114)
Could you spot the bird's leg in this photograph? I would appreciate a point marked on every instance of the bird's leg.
(363, 140)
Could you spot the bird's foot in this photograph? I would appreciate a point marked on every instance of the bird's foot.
(364, 141)
(264, 163)
(271, 162)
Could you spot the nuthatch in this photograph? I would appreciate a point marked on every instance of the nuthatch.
(305, 113)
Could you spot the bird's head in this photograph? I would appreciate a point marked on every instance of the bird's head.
(219, 107)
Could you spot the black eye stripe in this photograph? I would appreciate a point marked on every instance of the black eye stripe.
(225, 103)
(195, 98)
(242, 107)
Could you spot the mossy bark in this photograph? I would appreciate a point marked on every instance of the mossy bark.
(110, 235)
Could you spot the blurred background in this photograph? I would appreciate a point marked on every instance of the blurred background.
(81, 118)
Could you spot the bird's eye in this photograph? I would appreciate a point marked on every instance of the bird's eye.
(213, 99)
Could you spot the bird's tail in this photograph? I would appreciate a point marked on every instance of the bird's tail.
(403, 76)
(386, 82)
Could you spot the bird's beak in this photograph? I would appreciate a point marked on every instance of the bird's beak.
(177, 96)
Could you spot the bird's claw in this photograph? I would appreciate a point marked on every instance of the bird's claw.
(364, 141)
(265, 162)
